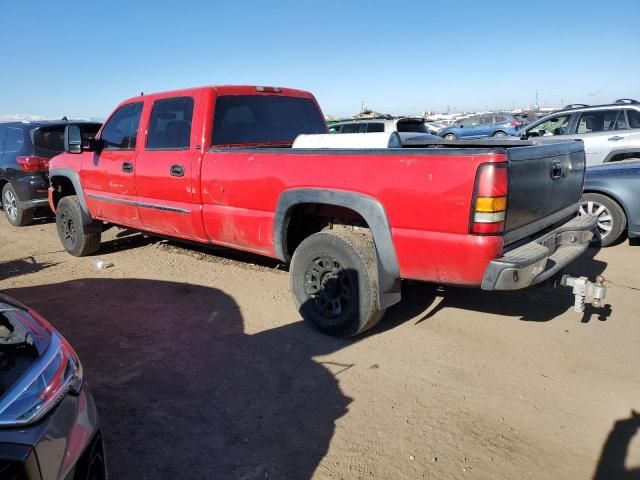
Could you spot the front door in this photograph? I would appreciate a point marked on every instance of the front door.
(166, 167)
(108, 175)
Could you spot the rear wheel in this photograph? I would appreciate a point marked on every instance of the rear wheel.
(500, 133)
(449, 136)
(334, 281)
(611, 218)
(16, 215)
(77, 239)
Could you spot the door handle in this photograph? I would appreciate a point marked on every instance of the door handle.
(615, 138)
(127, 167)
(556, 169)
(176, 171)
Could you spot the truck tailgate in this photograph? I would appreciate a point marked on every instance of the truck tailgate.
(545, 185)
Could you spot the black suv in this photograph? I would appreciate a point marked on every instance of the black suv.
(25, 150)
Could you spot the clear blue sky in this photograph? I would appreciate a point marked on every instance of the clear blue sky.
(81, 58)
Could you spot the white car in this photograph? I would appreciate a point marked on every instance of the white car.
(406, 127)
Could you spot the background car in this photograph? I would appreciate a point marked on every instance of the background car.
(25, 150)
(610, 132)
(406, 126)
(48, 420)
(611, 192)
(484, 125)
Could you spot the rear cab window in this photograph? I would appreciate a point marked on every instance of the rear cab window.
(264, 119)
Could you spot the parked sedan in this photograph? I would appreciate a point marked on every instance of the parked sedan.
(611, 192)
(480, 126)
(48, 420)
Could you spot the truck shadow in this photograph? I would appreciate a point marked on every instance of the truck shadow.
(611, 465)
(537, 304)
(184, 392)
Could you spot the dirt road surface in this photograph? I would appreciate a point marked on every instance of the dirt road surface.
(201, 368)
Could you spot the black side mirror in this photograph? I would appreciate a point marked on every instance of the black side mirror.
(72, 139)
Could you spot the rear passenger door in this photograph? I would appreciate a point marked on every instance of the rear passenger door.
(165, 170)
(604, 132)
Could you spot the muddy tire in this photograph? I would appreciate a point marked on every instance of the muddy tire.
(77, 239)
(17, 216)
(334, 283)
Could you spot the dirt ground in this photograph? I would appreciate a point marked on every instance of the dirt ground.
(201, 368)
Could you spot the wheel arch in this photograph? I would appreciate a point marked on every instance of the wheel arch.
(368, 208)
(68, 176)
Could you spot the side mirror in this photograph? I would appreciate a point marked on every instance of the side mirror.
(72, 139)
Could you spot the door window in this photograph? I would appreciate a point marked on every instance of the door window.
(554, 126)
(14, 140)
(486, 119)
(375, 127)
(170, 124)
(634, 118)
(121, 130)
(602, 121)
(468, 122)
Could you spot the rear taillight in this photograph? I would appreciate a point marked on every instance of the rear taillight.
(489, 206)
(30, 163)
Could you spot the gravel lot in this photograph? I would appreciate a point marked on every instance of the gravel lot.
(201, 368)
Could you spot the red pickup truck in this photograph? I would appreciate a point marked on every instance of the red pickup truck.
(216, 165)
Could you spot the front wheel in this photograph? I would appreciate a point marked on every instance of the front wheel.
(449, 136)
(500, 134)
(77, 239)
(17, 216)
(611, 218)
(334, 281)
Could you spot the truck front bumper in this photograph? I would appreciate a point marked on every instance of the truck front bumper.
(540, 259)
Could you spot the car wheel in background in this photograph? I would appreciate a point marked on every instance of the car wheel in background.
(334, 283)
(77, 239)
(449, 136)
(500, 133)
(611, 218)
(16, 215)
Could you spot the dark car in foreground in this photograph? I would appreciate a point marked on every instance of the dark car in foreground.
(611, 191)
(25, 150)
(48, 420)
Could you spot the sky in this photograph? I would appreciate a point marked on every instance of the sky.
(81, 58)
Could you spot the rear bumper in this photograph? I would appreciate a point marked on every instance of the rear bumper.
(542, 258)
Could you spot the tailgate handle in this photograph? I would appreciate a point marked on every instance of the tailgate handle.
(556, 169)
(177, 171)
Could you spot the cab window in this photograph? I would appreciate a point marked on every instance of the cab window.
(170, 124)
(375, 127)
(121, 130)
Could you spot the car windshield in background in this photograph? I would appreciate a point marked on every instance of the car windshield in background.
(417, 127)
(49, 140)
(253, 119)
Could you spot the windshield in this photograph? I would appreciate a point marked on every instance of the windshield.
(254, 119)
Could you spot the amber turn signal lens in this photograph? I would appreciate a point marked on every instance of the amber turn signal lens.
(491, 204)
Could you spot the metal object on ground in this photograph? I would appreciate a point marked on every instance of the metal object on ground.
(585, 291)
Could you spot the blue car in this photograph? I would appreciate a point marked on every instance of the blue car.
(611, 193)
(484, 125)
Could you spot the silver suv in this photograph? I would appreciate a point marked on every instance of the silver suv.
(610, 132)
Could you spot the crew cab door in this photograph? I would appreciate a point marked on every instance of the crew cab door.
(167, 168)
(602, 131)
(108, 176)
